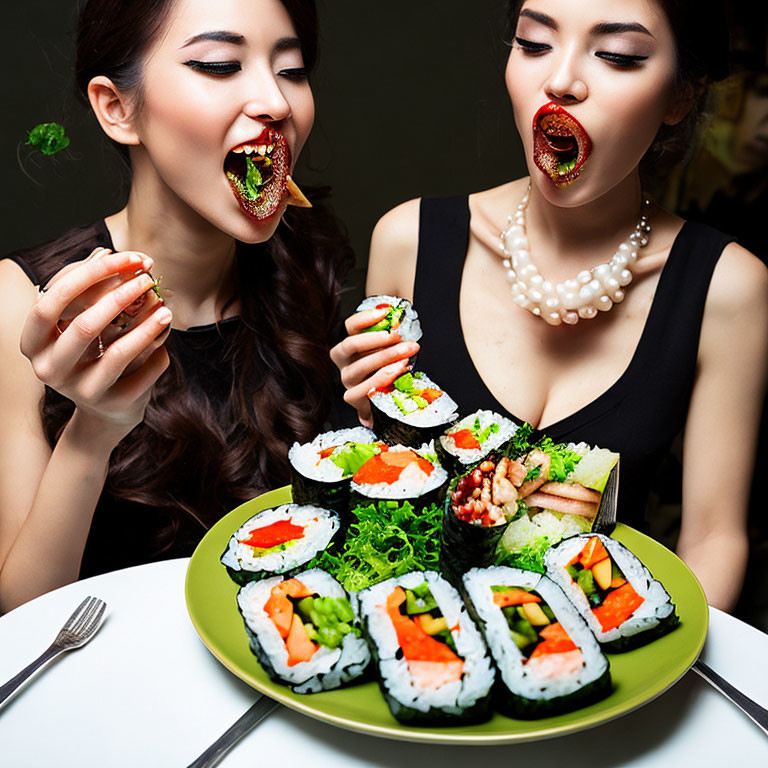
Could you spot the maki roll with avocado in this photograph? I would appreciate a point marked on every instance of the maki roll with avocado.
(549, 662)
(621, 602)
(401, 316)
(303, 631)
(411, 411)
(479, 506)
(398, 473)
(432, 663)
(278, 541)
(472, 439)
(320, 470)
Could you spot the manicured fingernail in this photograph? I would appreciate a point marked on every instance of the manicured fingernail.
(134, 258)
(395, 367)
(163, 316)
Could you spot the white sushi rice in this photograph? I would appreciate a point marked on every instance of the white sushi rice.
(412, 482)
(532, 681)
(319, 527)
(507, 429)
(329, 667)
(440, 411)
(454, 697)
(305, 457)
(410, 327)
(657, 603)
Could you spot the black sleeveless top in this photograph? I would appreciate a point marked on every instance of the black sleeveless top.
(642, 412)
(122, 533)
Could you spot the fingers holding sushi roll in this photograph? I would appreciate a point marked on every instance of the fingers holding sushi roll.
(367, 360)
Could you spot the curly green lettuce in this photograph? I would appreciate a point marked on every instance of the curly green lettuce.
(49, 138)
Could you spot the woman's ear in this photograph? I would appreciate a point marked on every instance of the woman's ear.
(683, 100)
(113, 110)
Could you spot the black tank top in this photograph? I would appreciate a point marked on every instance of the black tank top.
(643, 411)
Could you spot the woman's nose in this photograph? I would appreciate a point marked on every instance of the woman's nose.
(565, 83)
(265, 100)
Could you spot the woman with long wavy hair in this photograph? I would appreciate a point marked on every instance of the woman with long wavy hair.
(114, 454)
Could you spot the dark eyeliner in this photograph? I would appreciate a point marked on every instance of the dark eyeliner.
(620, 59)
(213, 67)
(529, 46)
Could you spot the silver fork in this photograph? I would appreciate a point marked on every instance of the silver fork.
(79, 629)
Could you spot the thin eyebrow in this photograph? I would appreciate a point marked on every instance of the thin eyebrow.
(219, 36)
(287, 44)
(603, 28)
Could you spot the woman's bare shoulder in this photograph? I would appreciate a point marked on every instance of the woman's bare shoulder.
(394, 246)
(739, 283)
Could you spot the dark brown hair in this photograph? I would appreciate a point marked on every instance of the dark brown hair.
(700, 30)
(190, 455)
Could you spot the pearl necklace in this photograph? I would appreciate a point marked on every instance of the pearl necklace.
(581, 297)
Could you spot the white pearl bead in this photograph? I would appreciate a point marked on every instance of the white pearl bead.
(586, 293)
(602, 271)
(511, 275)
(519, 242)
(553, 318)
(632, 257)
(535, 296)
(515, 231)
(624, 249)
(620, 260)
(529, 270)
(537, 280)
(584, 276)
(518, 287)
(618, 297)
(536, 311)
(569, 299)
(572, 285)
(521, 301)
(596, 285)
(587, 313)
(604, 303)
(507, 263)
(552, 303)
(612, 284)
(547, 287)
(625, 277)
(571, 318)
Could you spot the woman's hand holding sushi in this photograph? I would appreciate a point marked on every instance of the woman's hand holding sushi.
(112, 390)
(48, 496)
(369, 360)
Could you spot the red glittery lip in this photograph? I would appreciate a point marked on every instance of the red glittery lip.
(273, 192)
(558, 134)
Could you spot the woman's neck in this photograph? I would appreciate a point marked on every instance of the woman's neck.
(581, 236)
(195, 259)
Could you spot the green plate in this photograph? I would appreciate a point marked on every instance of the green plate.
(638, 676)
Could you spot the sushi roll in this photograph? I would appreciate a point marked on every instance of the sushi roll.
(548, 660)
(411, 411)
(621, 602)
(472, 439)
(320, 470)
(431, 660)
(478, 508)
(278, 541)
(401, 317)
(303, 631)
(398, 473)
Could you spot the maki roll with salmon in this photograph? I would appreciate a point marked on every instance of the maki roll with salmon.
(303, 631)
(320, 470)
(548, 660)
(472, 439)
(621, 602)
(398, 473)
(479, 506)
(401, 316)
(412, 410)
(431, 660)
(279, 541)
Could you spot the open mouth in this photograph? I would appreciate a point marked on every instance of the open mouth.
(560, 144)
(257, 171)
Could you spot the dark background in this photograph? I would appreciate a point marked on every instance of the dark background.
(410, 101)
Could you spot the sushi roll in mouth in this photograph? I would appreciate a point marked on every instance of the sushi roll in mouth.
(257, 171)
(621, 602)
(561, 145)
(303, 631)
(548, 659)
(432, 663)
(278, 541)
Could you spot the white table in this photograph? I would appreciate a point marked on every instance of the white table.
(146, 692)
